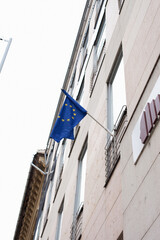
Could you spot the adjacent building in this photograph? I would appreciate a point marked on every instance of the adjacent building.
(28, 214)
(101, 186)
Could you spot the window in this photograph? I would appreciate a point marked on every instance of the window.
(83, 54)
(116, 92)
(100, 40)
(79, 98)
(72, 82)
(98, 50)
(60, 155)
(59, 221)
(116, 114)
(99, 4)
(80, 189)
(51, 182)
(76, 228)
(37, 230)
(85, 42)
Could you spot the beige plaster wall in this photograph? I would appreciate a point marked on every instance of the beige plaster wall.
(131, 200)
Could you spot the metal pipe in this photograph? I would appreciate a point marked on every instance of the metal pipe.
(106, 129)
(5, 53)
(39, 169)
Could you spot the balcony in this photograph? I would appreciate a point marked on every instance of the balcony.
(76, 228)
(112, 148)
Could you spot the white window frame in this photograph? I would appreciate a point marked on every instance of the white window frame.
(100, 39)
(111, 120)
(81, 175)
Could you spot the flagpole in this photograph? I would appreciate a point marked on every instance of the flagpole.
(107, 130)
(39, 169)
(6, 51)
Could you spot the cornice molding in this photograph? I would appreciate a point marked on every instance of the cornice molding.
(31, 199)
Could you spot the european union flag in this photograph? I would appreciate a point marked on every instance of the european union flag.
(70, 115)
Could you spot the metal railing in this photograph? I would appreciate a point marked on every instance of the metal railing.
(76, 227)
(112, 148)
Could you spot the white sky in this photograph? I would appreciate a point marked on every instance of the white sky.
(43, 33)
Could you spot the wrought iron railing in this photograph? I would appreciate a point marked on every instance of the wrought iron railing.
(112, 148)
(76, 227)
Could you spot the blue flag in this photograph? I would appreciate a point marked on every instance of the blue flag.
(70, 115)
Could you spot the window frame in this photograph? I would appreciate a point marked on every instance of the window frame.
(111, 122)
(99, 41)
(76, 227)
(62, 155)
(99, 44)
(117, 124)
(99, 4)
(59, 221)
(81, 172)
(80, 94)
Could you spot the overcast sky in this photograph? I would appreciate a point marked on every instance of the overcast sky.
(43, 33)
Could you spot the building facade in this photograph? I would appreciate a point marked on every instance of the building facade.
(28, 214)
(101, 186)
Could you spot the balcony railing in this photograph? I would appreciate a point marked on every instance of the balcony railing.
(112, 148)
(76, 227)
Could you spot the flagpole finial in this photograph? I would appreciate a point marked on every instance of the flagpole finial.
(5, 40)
